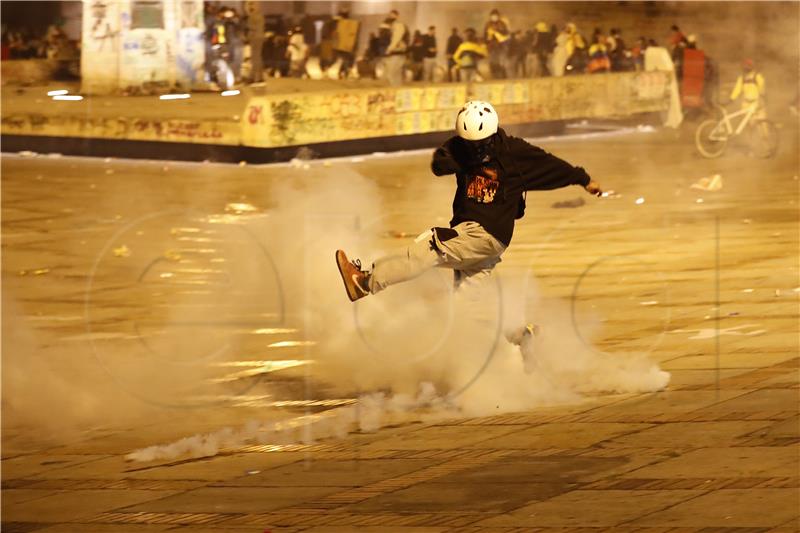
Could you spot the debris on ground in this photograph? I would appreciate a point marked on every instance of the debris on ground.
(708, 183)
(34, 272)
(239, 208)
(122, 251)
(172, 255)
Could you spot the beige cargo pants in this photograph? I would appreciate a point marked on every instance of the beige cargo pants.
(467, 248)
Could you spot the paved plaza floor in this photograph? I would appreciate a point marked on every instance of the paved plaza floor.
(139, 309)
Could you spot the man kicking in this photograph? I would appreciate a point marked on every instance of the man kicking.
(493, 171)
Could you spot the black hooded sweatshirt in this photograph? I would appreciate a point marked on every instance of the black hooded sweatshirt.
(491, 180)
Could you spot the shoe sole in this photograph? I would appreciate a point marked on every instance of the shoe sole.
(341, 258)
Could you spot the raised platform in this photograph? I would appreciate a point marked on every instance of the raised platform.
(267, 124)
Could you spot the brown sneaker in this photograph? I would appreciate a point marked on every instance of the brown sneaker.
(356, 281)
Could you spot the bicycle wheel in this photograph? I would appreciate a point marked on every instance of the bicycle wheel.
(707, 146)
(764, 139)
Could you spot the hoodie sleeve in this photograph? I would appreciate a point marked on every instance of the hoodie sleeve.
(446, 158)
(542, 171)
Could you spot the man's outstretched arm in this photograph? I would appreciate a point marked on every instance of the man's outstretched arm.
(543, 171)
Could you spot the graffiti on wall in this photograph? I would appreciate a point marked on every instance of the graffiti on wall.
(189, 45)
(285, 114)
(650, 85)
(132, 128)
(282, 120)
(149, 45)
(103, 32)
(324, 116)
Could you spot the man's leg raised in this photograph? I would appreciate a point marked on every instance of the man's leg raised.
(409, 263)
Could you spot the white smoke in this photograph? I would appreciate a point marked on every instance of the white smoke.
(372, 412)
(432, 352)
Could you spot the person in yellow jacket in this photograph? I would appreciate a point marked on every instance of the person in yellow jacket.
(467, 56)
(576, 50)
(497, 35)
(598, 55)
(751, 87)
(575, 39)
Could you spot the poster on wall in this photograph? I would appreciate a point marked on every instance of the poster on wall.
(145, 60)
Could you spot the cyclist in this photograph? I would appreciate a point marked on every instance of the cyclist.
(750, 86)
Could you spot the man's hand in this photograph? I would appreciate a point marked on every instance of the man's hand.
(593, 188)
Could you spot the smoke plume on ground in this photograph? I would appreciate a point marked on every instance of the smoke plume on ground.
(420, 349)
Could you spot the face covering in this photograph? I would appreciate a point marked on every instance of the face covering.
(481, 150)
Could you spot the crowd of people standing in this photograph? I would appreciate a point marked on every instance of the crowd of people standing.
(27, 44)
(395, 53)
(498, 51)
(317, 47)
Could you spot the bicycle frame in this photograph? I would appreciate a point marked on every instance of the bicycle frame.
(726, 124)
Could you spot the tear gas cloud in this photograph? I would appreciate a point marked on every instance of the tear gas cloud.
(419, 350)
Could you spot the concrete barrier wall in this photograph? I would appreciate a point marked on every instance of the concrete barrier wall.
(287, 120)
(122, 128)
(327, 116)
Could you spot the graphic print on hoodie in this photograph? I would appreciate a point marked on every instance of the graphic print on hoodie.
(491, 193)
(482, 186)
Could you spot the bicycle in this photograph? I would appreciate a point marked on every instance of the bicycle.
(712, 135)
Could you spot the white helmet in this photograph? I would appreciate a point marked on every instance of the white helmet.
(476, 121)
